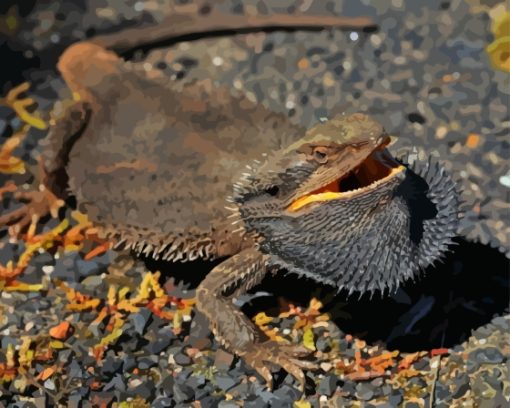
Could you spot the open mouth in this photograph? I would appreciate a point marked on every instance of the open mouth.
(378, 168)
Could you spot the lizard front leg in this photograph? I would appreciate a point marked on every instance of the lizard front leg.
(50, 190)
(233, 329)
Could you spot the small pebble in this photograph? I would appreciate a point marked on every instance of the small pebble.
(327, 385)
(183, 393)
(490, 355)
(182, 359)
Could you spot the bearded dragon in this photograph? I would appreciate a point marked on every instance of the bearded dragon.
(153, 169)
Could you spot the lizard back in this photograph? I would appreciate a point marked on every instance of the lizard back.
(154, 166)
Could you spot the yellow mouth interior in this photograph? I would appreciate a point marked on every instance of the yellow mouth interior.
(370, 173)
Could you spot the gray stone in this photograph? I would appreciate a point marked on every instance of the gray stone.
(256, 402)
(396, 398)
(86, 268)
(116, 383)
(323, 344)
(287, 393)
(92, 282)
(140, 320)
(223, 360)
(183, 393)
(111, 365)
(182, 359)
(487, 355)
(211, 401)
(327, 385)
(166, 386)
(146, 390)
(162, 402)
(163, 341)
(461, 385)
(365, 391)
(74, 400)
(200, 334)
(225, 382)
(227, 404)
(144, 363)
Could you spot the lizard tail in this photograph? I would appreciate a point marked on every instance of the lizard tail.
(186, 23)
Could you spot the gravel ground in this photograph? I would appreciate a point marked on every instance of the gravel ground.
(442, 341)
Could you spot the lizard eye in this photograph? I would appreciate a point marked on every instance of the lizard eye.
(320, 155)
(272, 191)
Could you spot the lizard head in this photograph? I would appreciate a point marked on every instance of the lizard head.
(336, 160)
(337, 207)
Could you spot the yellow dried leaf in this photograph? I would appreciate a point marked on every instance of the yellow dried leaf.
(11, 20)
(272, 334)
(111, 297)
(81, 218)
(410, 372)
(77, 301)
(20, 106)
(33, 119)
(137, 402)
(262, 319)
(57, 344)
(177, 320)
(8, 163)
(149, 288)
(98, 350)
(302, 404)
(117, 323)
(300, 323)
(308, 339)
(9, 356)
(315, 304)
(186, 306)
(150, 282)
(501, 25)
(123, 292)
(44, 241)
(110, 338)
(86, 305)
(25, 355)
(12, 165)
(127, 306)
(16, 286)
(499, 53)
(20, 384)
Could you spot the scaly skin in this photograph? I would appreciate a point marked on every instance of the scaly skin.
(90, 70)
(150, 166)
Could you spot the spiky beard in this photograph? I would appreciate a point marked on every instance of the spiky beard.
(372, 242)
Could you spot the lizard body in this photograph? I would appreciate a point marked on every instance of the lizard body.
(152, 169)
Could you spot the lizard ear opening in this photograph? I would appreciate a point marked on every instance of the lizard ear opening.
(272, 191)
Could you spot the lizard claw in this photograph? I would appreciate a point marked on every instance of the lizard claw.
(38, 203)
(289, 357)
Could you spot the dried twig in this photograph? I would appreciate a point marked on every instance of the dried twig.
(436, 359)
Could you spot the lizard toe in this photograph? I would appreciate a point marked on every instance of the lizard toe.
(37, 204)
(287, 357)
